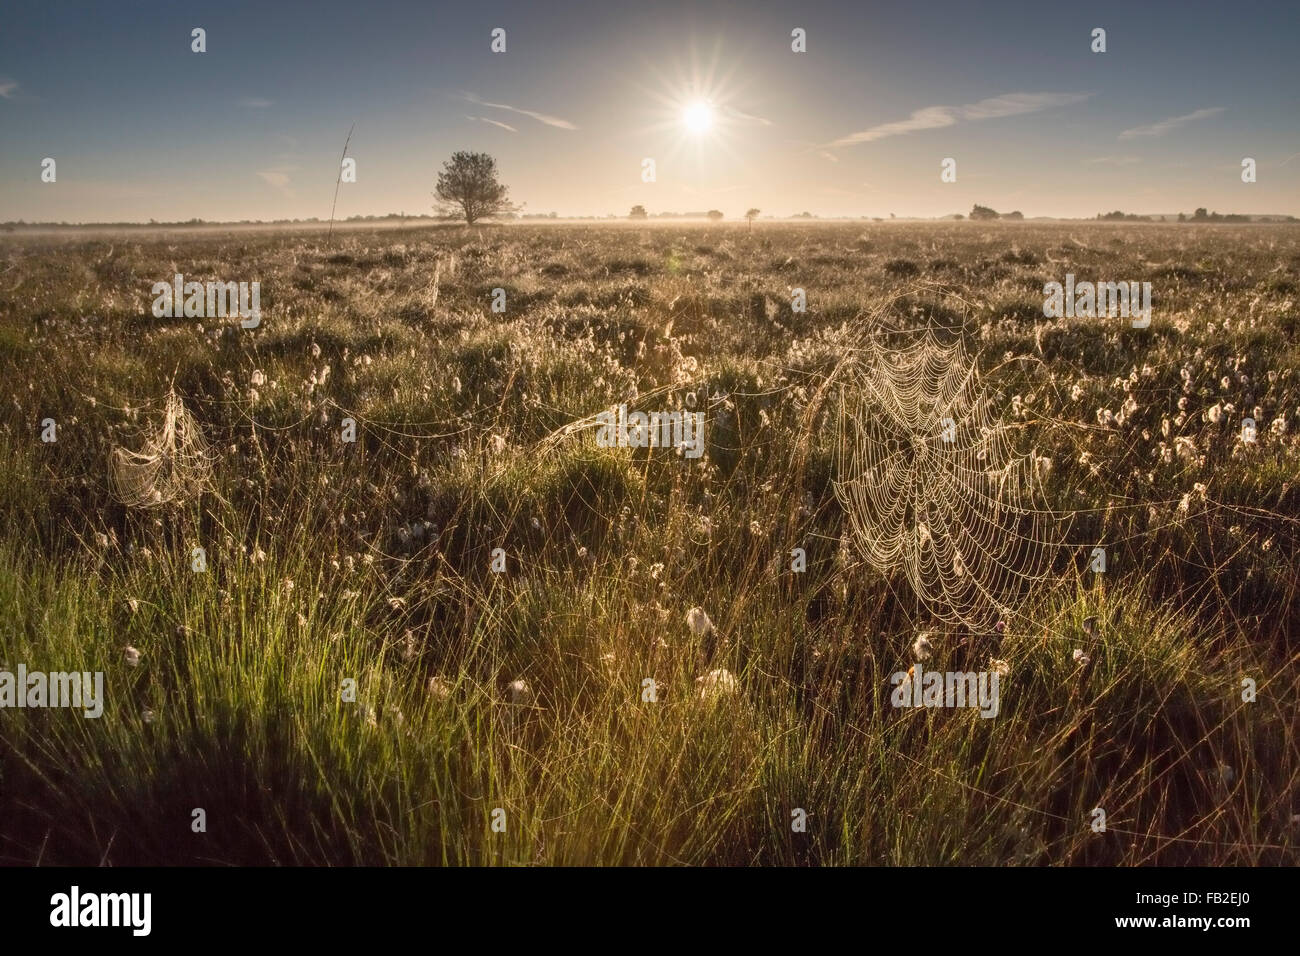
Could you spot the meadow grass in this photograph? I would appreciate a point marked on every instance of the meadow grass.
(373, 561)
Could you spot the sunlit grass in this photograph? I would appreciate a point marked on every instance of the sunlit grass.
(372, 562)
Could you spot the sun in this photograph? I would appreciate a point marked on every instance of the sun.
(698, 116)
(695, 111)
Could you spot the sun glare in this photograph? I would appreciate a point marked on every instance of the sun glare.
(698, 116)
(693, 111)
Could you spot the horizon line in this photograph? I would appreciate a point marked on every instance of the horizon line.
(14, 224)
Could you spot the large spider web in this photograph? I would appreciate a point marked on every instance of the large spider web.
(175, 464)
(964, 517)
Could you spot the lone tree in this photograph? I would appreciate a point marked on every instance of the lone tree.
(715, 214)
(468, 182)
(983, 212)
(638, 212)
(751, 214)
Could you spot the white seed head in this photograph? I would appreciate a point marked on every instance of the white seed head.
(698, 621)
(519, 693)
(716, 684)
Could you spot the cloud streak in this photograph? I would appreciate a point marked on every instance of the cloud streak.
(741, 116)
(938, 117)
(1164, 126)
(278, 176)
(540, 117)
(484, 119)
(8, 88)
(255, 103)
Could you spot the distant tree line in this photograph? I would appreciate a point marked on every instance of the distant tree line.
(1118, 216)
(716, 215)
(979, 212)
(1202, 216)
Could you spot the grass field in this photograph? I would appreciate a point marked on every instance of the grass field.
(372, 561)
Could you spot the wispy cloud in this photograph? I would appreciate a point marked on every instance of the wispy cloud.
(484, 119)
(540, 117)
(8, 88)
(824, 154)
(740, 115)
(255, 103)
(1112, 161)
(1164, 126)
(937, 117)
(278, 176)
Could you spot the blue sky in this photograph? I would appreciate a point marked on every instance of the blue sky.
(141, 127)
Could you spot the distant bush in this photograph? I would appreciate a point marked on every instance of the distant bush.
(902, 267)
